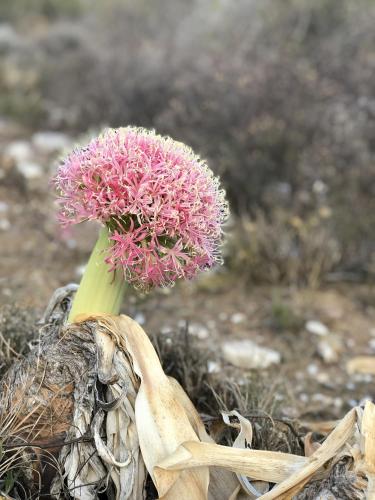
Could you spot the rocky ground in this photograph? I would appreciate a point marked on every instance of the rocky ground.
(296, 342)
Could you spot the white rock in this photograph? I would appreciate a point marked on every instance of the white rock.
(50, 142)
(71, 243)
(4, 224)
(312, 369)
(290, 411)
(319, 187)
(317, 328)
(329, 349)
(140, 318)
(304, 397)
(338, 402)
(323, 378)
(3, 207)
(213, 367)
(247, 354)
(362, 377)
(199, 331)
(8, 37)
(237, 318)
(322, 399)
(29, 170)
(166, 330)
(372, 344)
(19, 151)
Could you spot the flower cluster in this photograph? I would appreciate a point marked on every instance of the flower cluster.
(161, 203)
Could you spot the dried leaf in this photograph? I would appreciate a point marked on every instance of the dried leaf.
(223, 483)
(368, 445)
(162, 421)
(89, 465)
(329, 448)
(324, 427)
(245, 436)
(105, 352)
(243, 441)
(148, 411)
(270, 466)
(310, 445)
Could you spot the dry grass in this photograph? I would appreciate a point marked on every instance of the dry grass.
(282, 248)
(29, 423)
(17, 329)
(22, 458)
(253, 397)
(25, 455)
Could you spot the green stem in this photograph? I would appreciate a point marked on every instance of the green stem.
(100, 291)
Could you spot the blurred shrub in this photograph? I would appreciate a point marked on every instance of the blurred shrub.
(19, 79)
(279, 96)
(282, 249)
(19, 95)
(17, 10)
(283, 317)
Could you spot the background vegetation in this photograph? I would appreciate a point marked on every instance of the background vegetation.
(278, 95)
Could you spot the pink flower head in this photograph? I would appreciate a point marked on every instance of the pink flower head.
(161, 203)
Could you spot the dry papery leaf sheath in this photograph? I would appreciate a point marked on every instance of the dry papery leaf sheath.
(90, 413)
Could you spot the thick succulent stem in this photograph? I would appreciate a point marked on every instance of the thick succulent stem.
(100, 291)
